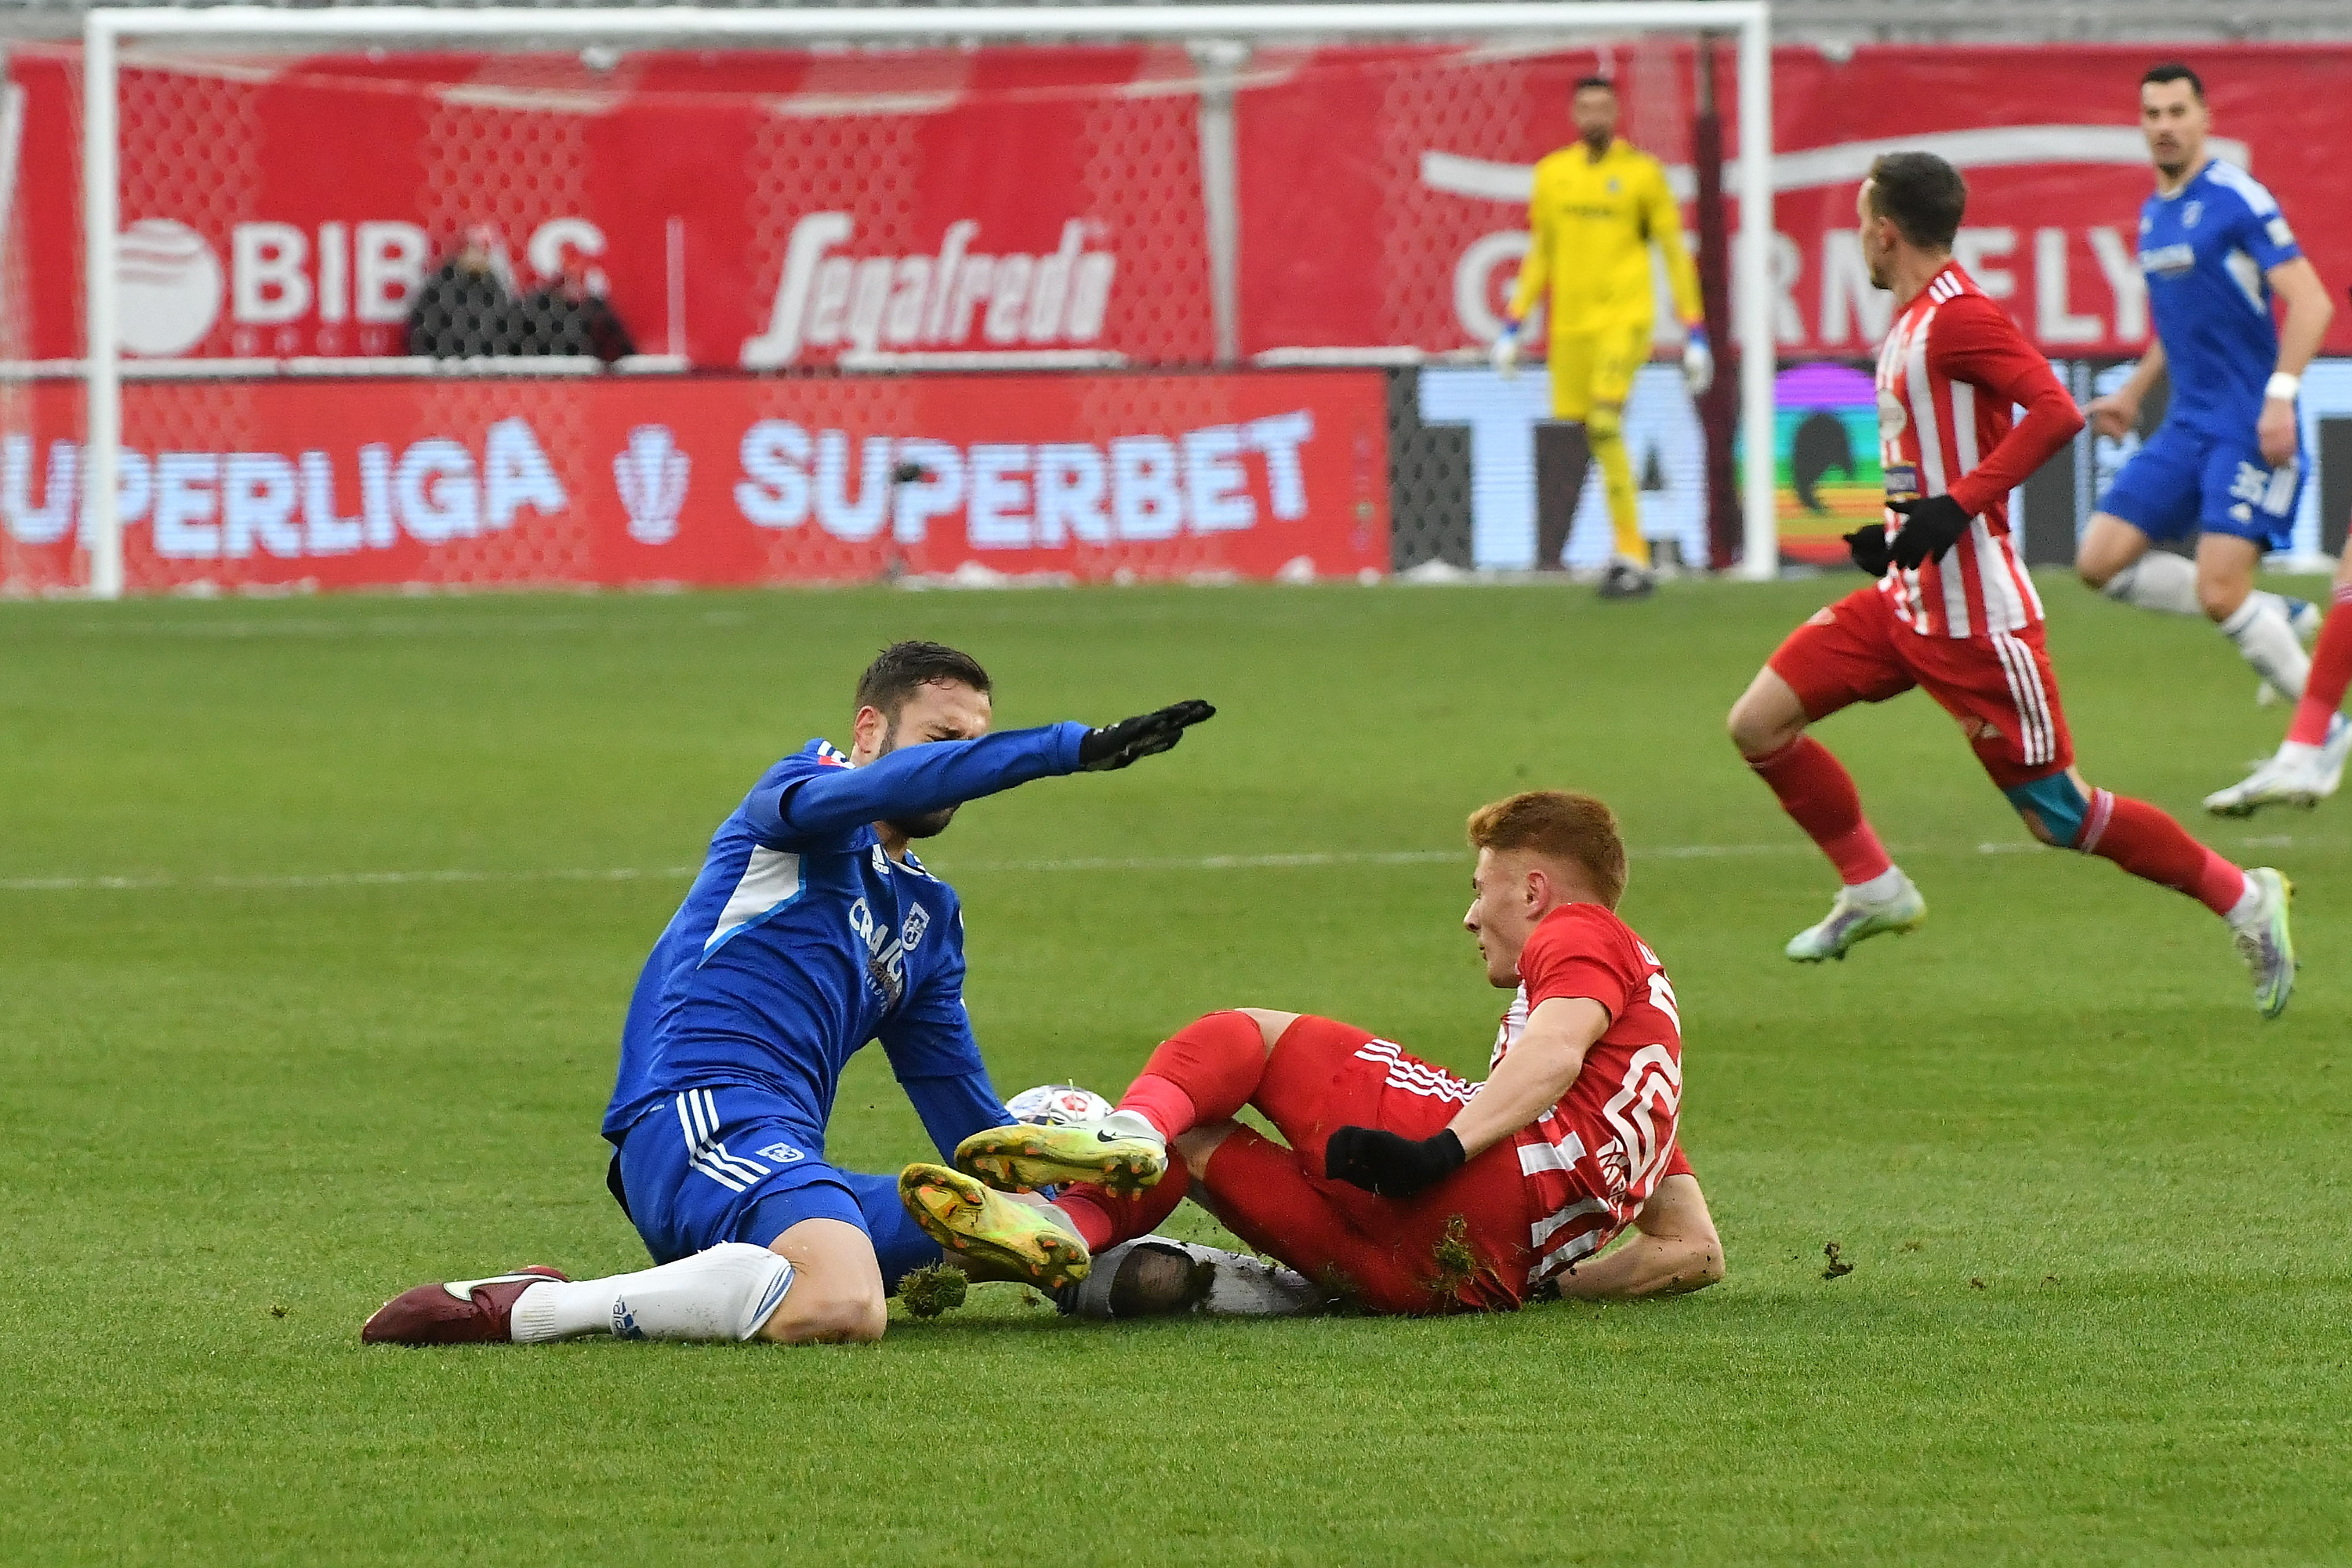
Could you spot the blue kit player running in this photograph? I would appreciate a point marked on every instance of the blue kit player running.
(2217, 252)
(812, 929)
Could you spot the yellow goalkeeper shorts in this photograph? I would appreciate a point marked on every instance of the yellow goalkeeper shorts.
(1595, 367)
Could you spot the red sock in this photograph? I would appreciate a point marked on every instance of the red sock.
(1106, 1219)
(1206, 1072)
(1819, 793)
(2148, 843)
(2331, 672)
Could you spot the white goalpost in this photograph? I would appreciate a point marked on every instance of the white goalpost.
(1749, 176)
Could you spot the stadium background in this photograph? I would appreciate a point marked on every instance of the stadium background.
(747, 212)
(317, 914)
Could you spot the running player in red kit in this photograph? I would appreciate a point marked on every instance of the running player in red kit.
(1954, 612)
(1412, 1190)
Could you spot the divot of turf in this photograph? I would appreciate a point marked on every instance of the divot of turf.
(929, 1291)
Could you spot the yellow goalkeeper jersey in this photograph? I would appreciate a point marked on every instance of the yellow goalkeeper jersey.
(1591, 223)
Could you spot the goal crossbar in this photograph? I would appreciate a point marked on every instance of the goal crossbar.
(105, 28)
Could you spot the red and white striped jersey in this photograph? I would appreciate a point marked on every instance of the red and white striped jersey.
(1594, 1158)
(1948, 374)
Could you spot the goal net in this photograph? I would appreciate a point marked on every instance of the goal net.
(378, 296)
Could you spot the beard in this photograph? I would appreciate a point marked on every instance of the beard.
(931, 824)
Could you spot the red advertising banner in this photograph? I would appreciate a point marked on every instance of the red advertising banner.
(1412, 227)
(782, 210)
(712, 481)
(758, 209)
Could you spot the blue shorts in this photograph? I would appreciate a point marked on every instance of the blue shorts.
(713, 1164)
(2182, 480)
(736, 1162)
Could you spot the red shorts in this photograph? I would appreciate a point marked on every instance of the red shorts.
(1324, 1075)
(1999, 687)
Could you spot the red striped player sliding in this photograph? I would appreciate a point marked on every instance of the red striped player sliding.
(1400, 1184)
(1954, 612)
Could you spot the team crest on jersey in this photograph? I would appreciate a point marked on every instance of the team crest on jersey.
(918, 920)
(2192, 213)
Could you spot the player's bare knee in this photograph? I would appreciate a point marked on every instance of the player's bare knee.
(1271, 1024)
(2095, 573)
(1197, 1143)
(827, 1303)
(2220, 597)
(812, 1315)
(2053, 809)
(1757, 730)
(1701, 1264)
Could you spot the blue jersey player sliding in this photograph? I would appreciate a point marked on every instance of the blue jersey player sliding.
(812, 929)
(2216, 253)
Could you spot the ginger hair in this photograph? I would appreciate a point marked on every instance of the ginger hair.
(1573, 829)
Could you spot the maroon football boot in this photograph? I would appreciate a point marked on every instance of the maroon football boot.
(461, 1312)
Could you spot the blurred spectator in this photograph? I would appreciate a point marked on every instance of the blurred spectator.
(465, 309)
(565, 316)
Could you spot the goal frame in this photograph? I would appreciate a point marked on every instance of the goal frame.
(104, 29)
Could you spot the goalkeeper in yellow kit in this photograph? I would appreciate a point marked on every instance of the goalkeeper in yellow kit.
(1597, 209)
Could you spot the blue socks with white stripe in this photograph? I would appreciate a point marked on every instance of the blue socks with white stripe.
(727, 1292)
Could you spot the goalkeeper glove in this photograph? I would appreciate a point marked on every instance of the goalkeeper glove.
(1931, 525)
(1699, 362)
(1505, 351)
(1147, 735)
(1388, 1164)
(1867, 545)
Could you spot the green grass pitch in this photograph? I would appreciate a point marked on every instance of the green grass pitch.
(2095, 1207)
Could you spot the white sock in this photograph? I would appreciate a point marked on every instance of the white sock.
(2267, 642)
(2248, 906)
(2285, 610)
(1133, 1124)
(725, 1294)
(1879, 889)
(2158, 580)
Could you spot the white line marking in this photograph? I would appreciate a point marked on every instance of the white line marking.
(327, 880)
(1304, 859)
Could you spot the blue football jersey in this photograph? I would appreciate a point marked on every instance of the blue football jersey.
(2206, 251)
(801, 940)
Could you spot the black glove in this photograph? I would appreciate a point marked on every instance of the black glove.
(1868, 547)
(1116, 745)
(1388, 1163)
(1931, 525)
